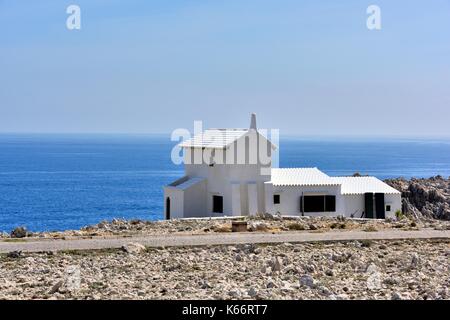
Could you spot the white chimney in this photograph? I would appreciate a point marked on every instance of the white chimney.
(253, 121)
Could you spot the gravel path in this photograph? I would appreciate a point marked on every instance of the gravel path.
(216, 239)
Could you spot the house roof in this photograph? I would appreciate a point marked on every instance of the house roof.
(315, 177)
(361, 185)
(217, 138)
(186, 182)
(214, 138)
(300, 177)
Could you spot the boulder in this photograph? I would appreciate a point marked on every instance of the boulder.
(19, 232)
(276, 264)
(258, 226)
(133, 247)
(307, 281)
(313, 227)
(14, 254)
(252, 292)
(225, 227)
(298, 226)
(56, 287)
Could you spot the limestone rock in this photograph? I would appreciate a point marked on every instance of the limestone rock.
(133, 247)
(307, 281)
(19, 232)
(276, 264)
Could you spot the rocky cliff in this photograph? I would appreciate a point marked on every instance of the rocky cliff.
(424, 198)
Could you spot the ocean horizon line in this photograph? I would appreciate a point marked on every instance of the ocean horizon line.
(287, 136)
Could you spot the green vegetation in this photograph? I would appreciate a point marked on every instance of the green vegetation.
(399, 215)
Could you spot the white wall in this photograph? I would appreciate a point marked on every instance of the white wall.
(252, 198)
(176, 202)
(354, 204)
(395, 201)
(222, 176)
(290, 199)
(195, 200)
(236, 199)
(345, 204)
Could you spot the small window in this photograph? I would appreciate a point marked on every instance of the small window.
(217, 204)
(388, 207)
(276, 199)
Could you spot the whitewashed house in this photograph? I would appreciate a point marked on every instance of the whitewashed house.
(228, 172)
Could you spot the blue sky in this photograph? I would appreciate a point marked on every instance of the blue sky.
(305, 67)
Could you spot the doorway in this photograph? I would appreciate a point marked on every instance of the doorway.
(217, 204)
(167, 208)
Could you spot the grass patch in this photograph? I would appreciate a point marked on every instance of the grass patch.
(399, 215)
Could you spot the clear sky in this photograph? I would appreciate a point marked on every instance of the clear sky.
(305, 67)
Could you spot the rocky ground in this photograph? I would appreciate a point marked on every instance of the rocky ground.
(125, 228)
(413, 269)
(429, 198)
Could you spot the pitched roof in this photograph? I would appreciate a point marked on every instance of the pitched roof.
(186, 182)
(300, 177)
(214, 138)
(218, 138)
(361, 185)
(315, 177)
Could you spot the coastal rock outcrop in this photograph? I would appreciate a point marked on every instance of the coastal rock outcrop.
(424, 198)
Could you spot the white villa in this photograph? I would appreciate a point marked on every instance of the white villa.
(228, 172)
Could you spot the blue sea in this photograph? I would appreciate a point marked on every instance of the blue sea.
(57, 182)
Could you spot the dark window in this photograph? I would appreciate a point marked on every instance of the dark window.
(330, 203)
(388, 208)
(276, 199)
(318, 204)
(314, 203)
(217, 204)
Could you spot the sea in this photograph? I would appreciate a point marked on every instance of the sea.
(67, 181)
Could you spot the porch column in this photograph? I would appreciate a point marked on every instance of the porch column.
(252, 199)
(236, 199)
(268, 190)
